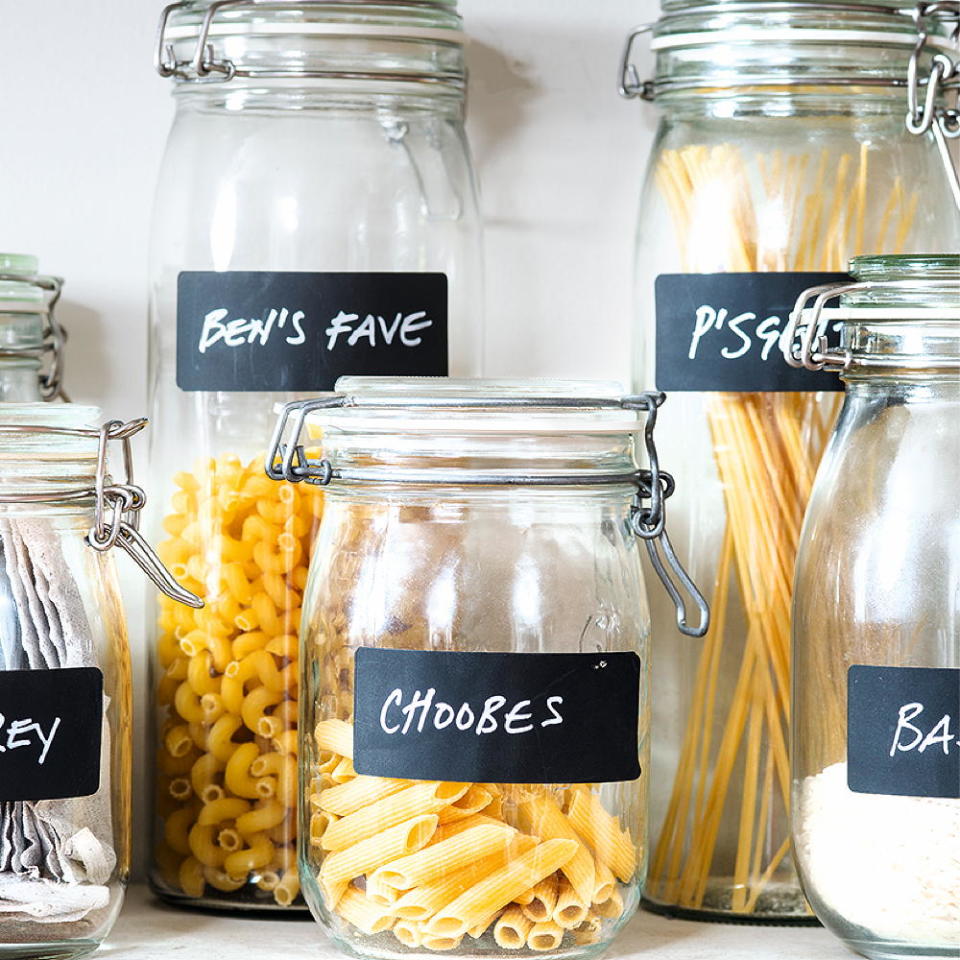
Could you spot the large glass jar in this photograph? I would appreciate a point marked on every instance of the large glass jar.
(781, 152)
(28, 331)
(876, 763)
(316, 215)
(65, 701)
(474, 641)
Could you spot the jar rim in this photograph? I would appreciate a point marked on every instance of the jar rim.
(944, 266)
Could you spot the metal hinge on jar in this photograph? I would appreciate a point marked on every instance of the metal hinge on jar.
(117, 506)
(923, 112)
(287, 459)
(54, 336)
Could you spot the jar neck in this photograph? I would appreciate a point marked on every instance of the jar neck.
(21, 349)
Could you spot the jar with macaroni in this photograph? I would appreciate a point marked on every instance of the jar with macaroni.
(876, 754)
(315, 216)
(474, 643)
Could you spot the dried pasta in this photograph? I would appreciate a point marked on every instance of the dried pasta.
(227, 682)
(427, 862)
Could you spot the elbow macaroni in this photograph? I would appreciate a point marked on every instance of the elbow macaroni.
(227, 683)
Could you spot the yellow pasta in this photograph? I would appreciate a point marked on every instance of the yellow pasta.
(569, 911)
(475, 799)
(448, 855)
(417, 799)
(361, 912)
(512, 928)
(544, 900)
(424, 901)
(230, 671)
(348, 798)
(541, 816)
(545, 936)
(602, 832)
(392, 844)
(499, 889)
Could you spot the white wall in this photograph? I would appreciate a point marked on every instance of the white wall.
(559, 157)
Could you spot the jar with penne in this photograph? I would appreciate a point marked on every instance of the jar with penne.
(315, 216)
(782, 151)
(475, 733)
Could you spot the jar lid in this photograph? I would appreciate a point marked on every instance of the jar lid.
(799, 47)
(400, 41)
(430, 405)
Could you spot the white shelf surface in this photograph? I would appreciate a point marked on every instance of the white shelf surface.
(147, 930)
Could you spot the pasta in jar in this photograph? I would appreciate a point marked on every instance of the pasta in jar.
(474, 717)
(226, 685)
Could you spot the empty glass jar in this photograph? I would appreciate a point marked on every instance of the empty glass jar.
(876, 763)
(475, 648)
(781, 152)
(315, 216)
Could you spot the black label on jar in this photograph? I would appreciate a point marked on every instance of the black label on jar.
(265, 331)
(903, 731)
(497, 717)
(721, 332)
(50, 730)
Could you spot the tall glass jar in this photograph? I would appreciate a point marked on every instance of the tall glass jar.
(316, 215)
(475, 639)
(65, 702)
(876, 763)
(781, 152)
(28, 331)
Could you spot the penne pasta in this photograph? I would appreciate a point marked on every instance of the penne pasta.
(424, 901)
(542, 816)
(334, 735)
(421, 798)
(511, 929)
(343, 866)
(543, 901)
(570, 911)
(544, 936)
(475, 799)
(602, 833)
(451, 854)
(499, 889)
(361, 912)
(346, 798)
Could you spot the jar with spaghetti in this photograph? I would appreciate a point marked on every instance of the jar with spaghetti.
(65, 699)
(782, 151)
(475, 648)
(315, 216)
(876, 762)
(28, 332)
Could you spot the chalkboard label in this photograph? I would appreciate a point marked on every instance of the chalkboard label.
(263, 331)
(721, 332)
(498, 717)
(50, 730)
(903, 731)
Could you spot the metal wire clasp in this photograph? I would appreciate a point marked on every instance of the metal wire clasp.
(117, 509)
(630, 85)
(923, 112)
(648, 521)
(54, 336)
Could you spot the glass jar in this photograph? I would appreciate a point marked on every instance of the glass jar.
(876, 766)
(475, 638)
(781, 152)
(316, 215)
(28, 330)
(65, 703)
